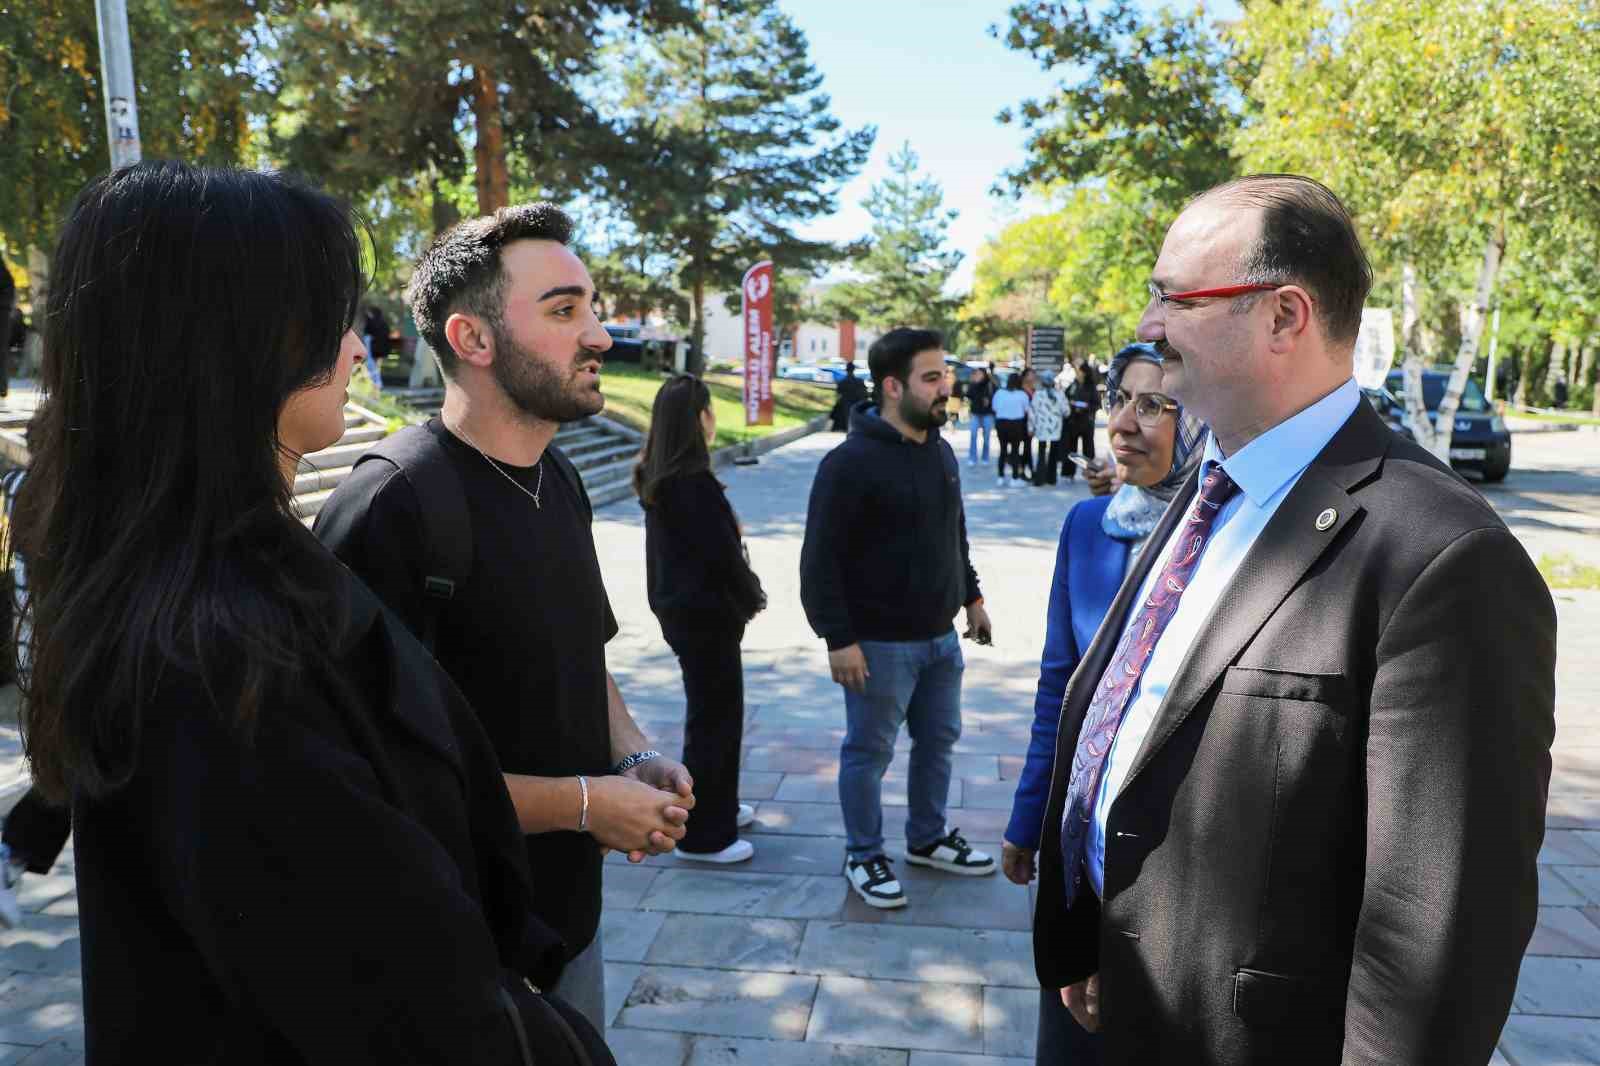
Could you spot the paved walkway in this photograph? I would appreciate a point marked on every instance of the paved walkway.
(772, 962)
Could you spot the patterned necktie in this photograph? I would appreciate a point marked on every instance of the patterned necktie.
(1121, 678)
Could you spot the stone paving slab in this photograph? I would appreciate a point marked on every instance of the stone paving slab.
(1533, 1041)
(720, 1051)
(747, 893)
(720, 1002)
(1566, 931)
(1568, 987)
(919, 953)
(730, 942)
(941, 1058)
(897, 1014)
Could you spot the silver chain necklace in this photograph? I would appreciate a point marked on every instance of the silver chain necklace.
(538, 485)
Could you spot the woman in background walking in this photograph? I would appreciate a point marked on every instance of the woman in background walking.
(1045, 412)
(980, 405)
(1011, 423)
(703, 591)
(1083, 401)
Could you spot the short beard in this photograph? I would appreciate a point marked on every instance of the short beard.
(918, 417)
(538, 389)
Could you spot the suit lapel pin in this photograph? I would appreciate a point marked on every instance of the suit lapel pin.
(1326, 519)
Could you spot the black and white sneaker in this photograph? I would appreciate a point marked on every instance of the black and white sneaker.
(953, 855)
(875, 883)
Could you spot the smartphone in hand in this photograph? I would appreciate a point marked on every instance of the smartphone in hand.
(1079, 460)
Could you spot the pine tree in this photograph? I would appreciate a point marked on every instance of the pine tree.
(729, 145)
(366, 91)
(906, 266)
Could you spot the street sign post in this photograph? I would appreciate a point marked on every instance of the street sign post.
(116, 82)
(1047, 348)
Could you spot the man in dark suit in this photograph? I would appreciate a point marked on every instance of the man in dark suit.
(1300, 777)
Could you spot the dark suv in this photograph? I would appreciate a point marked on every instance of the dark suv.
(1481, 441)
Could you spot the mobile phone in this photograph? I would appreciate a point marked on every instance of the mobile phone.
(1079, 460)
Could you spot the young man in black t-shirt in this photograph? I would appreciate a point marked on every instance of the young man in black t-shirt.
(508, 309)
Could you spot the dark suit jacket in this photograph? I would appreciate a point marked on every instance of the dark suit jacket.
(1325, 850)
(349, 886)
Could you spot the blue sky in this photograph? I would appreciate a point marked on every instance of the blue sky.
(928, 72)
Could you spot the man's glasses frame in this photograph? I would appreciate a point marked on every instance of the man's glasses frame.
(1167, 299)
(1148, 410)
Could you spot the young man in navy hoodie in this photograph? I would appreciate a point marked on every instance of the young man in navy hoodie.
(883, 572)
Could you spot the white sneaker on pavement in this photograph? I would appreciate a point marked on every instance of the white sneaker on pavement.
(746, 816)
(874, 881)
(952, 854)
(738, 851)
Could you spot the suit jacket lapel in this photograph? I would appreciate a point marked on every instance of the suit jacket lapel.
(1285, 549)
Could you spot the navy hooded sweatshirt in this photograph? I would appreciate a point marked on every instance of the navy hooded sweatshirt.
(885, 554)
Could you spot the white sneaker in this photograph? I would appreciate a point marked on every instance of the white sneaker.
(10, 876)
(952, 854)
(738, 851)
(1001, 480)
(746, 816)
(875, 883)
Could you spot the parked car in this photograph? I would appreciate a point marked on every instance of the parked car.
(1390, 409)
(1480, 441)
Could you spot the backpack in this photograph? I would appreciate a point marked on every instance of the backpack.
(419, 455)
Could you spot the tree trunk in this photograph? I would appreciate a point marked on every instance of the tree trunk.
(1408, 307)
(696, 363)
(1552, 371)
(493, 180)
(1416, 410)
(38, 293)
(1494, 248)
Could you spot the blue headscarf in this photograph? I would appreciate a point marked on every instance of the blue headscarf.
(1135, 510)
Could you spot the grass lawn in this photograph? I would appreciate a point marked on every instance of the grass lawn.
(1576, 418)
(1565, 572)
(630, 390)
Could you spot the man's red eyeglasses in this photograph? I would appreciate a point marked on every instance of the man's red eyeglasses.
(1165, 298)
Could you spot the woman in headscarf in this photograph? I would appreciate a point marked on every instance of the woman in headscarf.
(1158, 447)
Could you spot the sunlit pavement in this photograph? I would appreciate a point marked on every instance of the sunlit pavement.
(773, 962)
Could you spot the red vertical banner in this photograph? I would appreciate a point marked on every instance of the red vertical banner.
(756, 293)
(847, 339)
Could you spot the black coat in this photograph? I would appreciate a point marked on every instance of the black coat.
(699, 580)
(1324, 850)
(349, 886)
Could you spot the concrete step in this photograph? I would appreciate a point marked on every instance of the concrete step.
(309, 504)
(599, 452)
(363, 433)
(309, 481)
(601, 473)
(340, 454)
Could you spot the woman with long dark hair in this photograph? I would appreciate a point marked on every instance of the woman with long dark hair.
(703, 592)
(293, 840)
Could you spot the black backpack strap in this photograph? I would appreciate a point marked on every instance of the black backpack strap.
(446, 525)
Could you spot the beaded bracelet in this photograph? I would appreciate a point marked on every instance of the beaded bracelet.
(634, 760)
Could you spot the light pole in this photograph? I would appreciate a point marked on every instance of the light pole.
(116, 82)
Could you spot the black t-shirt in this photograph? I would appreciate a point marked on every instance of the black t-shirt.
(524, 636)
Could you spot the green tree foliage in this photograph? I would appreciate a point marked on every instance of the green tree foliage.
(906, 265)
(366, 91)
(1082, 266)
(1151, 100)
(191, 80)
(729, 145)
(1451, 123)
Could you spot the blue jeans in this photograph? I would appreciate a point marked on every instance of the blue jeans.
(985, 423)
(919, 683)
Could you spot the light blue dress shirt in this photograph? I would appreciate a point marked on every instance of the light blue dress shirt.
(1265, 470)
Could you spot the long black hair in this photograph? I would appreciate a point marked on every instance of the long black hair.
(676, 443)
(186, 305)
